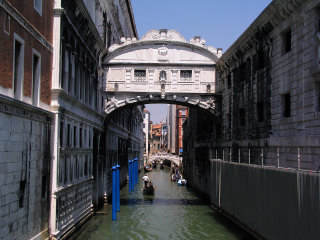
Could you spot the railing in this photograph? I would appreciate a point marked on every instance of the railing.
(73, 203)
(300, 158)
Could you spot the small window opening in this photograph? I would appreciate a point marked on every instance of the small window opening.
(286, 105)
(260, 111)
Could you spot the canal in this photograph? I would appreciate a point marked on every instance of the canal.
(174, 212)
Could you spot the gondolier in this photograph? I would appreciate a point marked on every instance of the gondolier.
(146, 179)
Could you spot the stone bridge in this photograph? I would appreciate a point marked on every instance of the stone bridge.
(161, 67)
(171, 157)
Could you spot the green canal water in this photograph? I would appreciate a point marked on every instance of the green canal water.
(174, 212)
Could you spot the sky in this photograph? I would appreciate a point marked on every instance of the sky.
(220, 23)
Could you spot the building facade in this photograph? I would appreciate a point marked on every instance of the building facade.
(124, 142)
(146, 132)
(164, 136)
(171, 120)
(182, 115)
(156, 138)
(25, 118)
(270, 88)
(83, 31)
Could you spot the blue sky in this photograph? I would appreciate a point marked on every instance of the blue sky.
(220, 23)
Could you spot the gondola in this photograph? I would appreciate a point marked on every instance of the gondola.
(148, 169)
(148, 188)
(182, 182)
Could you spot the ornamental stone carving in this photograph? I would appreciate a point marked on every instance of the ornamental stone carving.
(163, 51)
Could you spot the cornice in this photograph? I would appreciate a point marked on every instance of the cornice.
(91, 25)
(60, 96)
(164, 37)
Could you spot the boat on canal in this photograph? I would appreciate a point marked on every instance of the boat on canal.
(148, 188)
(175, 177)
(148, 169)
(161, 165)
(182, 182)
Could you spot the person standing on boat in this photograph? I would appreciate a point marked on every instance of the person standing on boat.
(145, 179)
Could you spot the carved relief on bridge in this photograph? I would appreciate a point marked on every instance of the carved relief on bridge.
(205, 102)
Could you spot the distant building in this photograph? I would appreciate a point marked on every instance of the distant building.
(146, 131)
(172, 128)
(164, 137)
(182, 114)
(156, 138)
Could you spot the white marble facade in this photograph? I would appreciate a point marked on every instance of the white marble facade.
(161, 66)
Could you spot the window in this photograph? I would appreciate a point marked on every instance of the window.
(286, 41)
(44, 188)
(61, 169)
(140, 75)
(61, 134)
(260, 111)
(68, 135)
(6, 23)
(242, 117)
(260, 60)
(163, 75)
(38, 6)
(183, 112)
(86, 166)
(317, 97)
(36, 62)
(18, 65)
(208, 88)
(74, 136)
(70, 168)
(89, 138)
(286, 105)
(80, 138)
(185, 75)
(21, 192)
(229, 81)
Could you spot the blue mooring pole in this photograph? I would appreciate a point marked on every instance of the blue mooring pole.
(134, 172)
(132, 175)
(118, 188)
(137, 170)
(114, 193)
(129, 175)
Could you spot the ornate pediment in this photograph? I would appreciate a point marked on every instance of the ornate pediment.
(163, 34)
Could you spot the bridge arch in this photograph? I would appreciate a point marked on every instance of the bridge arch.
(162, 67)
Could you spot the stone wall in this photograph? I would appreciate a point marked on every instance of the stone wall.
(24, 170)
(274, 203)
(271, 88)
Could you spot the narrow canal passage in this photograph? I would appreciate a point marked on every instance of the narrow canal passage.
(174, 212)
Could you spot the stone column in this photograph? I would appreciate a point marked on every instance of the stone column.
(128, 78)
(151, 79)
(197, 79)
(56, 44)
(174, 80)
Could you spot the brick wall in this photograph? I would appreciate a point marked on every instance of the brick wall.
(30, 43)
(43, 23)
